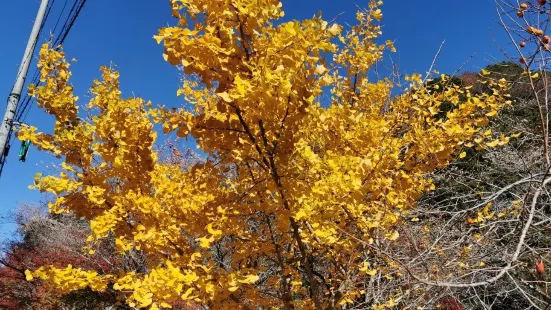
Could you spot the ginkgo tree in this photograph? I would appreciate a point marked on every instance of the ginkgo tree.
(282, 212)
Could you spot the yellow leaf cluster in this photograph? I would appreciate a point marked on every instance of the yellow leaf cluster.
(70, 279)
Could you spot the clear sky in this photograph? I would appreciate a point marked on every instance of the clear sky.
(120, 31)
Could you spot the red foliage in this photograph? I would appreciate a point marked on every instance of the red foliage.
(17, 293)
(450, 303)
(471, 79)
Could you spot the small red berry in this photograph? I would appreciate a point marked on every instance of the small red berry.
(540, 267)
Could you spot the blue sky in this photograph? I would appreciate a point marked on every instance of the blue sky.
(121, 32)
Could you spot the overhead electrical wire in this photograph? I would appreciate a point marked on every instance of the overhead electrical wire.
(60, 15)
(77, 7)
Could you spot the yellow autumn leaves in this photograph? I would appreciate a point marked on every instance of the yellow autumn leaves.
(70, 279)
(308, 159)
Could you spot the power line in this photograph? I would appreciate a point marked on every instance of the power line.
(67, 27)
(60, 14)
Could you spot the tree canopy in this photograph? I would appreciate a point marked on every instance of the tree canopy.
(293, 193)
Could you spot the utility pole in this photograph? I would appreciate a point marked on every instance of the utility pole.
(15, 95)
